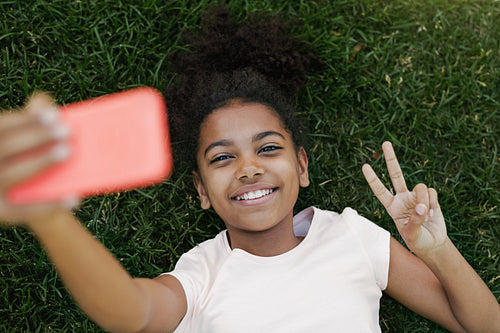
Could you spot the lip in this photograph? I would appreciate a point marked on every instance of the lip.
(254, 188)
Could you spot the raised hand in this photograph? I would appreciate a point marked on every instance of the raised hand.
(417, 213)
(34, 130)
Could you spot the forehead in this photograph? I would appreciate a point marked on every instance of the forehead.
(239, 120)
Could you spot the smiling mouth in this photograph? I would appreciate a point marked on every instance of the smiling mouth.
(255, 194)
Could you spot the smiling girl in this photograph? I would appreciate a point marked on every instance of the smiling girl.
(269, 271)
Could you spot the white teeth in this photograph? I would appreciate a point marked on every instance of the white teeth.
(254, 195)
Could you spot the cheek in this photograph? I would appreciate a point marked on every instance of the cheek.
(216, 184)
(289, 168)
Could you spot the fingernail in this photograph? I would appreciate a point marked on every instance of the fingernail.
(420, 209)
(48, 116)
(60, 132)
(60, 152)
(70, 202)
(431, 212)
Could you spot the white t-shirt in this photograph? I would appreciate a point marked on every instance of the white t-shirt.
(331, 282)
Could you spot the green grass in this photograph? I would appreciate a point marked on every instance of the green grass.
(423, 74)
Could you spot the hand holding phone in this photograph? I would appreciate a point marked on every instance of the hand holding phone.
(118, 142)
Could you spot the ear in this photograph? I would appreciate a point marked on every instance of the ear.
(303, 163)
(204, 200)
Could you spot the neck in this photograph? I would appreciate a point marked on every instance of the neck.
(266, 243)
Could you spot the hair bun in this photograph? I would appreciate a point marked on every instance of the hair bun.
(260, 42)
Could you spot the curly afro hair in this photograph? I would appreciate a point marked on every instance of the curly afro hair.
(256, 61)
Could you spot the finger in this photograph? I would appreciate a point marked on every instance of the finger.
(377, 187)
(433, 202)
(12, 120)
(422, 194)
(14, 214)
(39, 102)
(30, 137)
(397, 178)
(43, 106)
(419, 213)
(422, 205)
(38, 108)
(16, 172)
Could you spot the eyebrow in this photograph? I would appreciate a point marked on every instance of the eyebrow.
(262, 135)
(257, 137)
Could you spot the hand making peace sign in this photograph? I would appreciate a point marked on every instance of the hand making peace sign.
(417, 213)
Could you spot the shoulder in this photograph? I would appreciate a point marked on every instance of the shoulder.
(201, 262)
(204, 255)
(349, 220)
(366, 230)
(355, 235)
(346, 227)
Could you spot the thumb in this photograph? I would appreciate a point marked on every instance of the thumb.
(43, 105)
(39, 99)
(417, 218)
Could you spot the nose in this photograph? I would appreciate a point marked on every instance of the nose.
(248, 168)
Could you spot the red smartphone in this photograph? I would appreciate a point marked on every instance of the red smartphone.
(118, 142)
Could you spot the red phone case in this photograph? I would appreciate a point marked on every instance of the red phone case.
(118, 142)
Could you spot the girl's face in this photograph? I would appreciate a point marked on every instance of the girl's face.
(249, 169)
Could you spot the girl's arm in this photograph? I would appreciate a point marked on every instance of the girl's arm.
(415, 285)
(437, 283)
(102, 287)
(97, 281)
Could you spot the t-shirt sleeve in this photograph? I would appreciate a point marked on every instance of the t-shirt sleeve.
(190, 270)
(195, 270)
(187, 268)
(375, 242)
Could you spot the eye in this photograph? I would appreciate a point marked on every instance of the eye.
(269, 148)
(220, 158)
